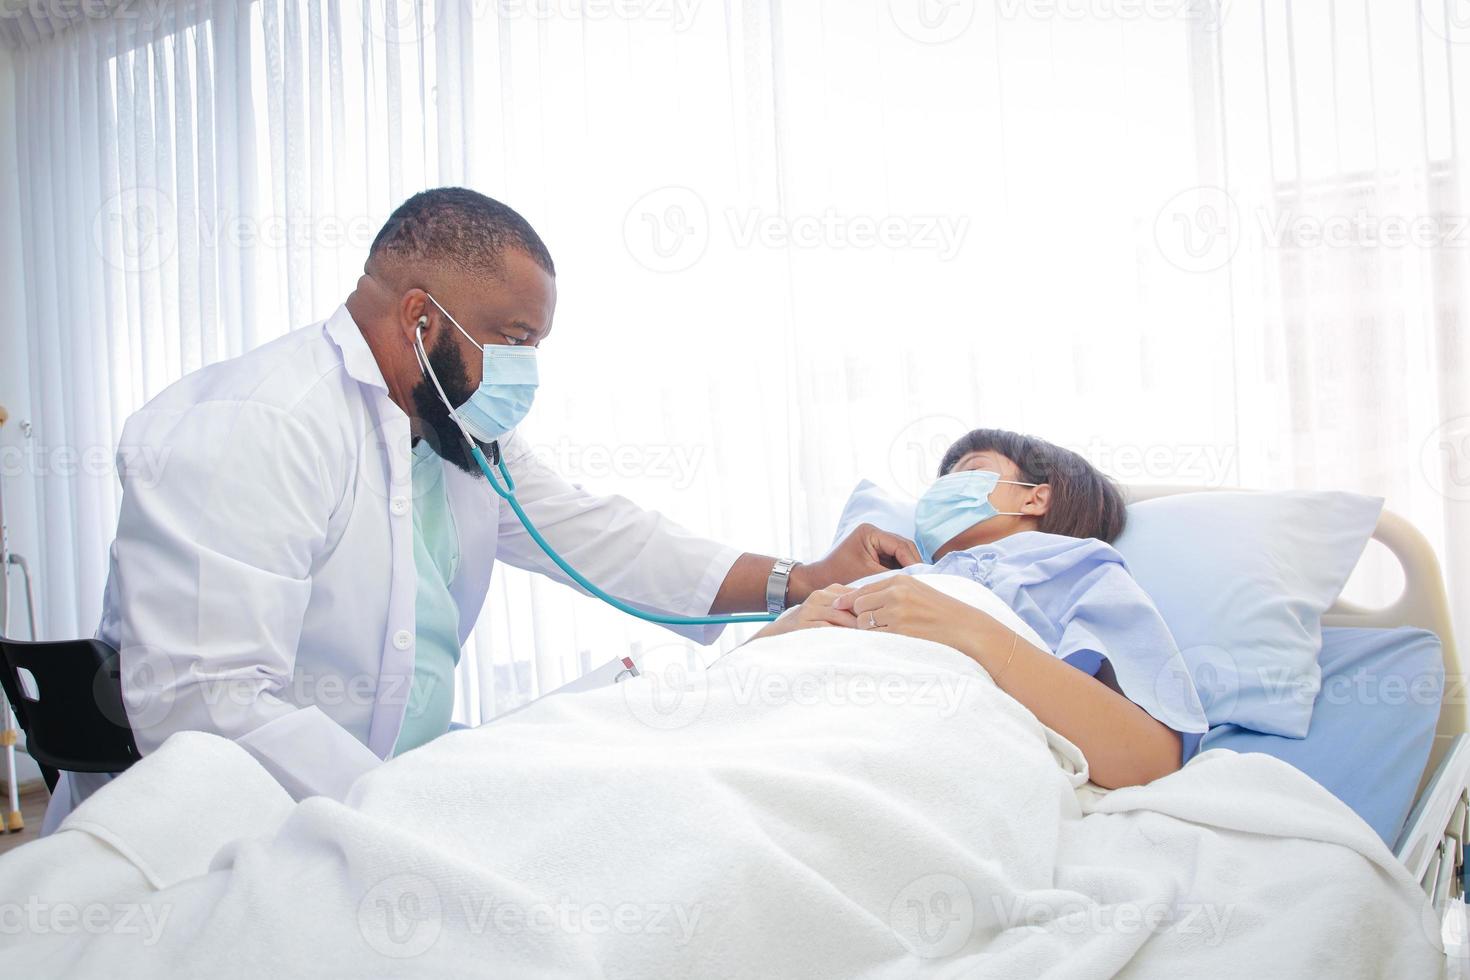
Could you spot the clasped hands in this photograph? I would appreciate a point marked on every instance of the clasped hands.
(898, 604)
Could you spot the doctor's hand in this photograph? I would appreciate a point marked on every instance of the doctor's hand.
(817, 610)
(866, 551)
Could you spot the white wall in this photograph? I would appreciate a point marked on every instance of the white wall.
(15, 471)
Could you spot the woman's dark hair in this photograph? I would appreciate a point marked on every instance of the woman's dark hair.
(1084, 503)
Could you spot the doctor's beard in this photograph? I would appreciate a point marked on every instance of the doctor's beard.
(432, 421)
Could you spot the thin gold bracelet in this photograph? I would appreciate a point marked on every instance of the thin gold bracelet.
(1014, 638)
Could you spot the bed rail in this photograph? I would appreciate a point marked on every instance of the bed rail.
(1433, 841)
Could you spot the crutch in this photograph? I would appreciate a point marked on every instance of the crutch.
(14, 822)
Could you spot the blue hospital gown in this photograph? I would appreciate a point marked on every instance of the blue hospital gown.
(1079, 597)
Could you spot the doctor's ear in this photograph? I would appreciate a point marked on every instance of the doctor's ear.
(412, 312)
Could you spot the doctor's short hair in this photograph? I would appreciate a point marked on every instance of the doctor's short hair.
(1084, 502)
(458, 227)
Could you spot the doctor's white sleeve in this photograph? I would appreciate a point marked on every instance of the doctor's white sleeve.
(212, 570)
(637, 555)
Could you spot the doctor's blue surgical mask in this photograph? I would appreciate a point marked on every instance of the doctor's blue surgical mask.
(953, 504)
(507, 384)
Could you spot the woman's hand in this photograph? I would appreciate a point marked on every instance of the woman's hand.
(818, 610)
(903, 604)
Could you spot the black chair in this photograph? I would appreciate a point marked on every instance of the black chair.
(67, 696)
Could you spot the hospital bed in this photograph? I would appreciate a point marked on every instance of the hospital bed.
(1434, 837)
(404, 826)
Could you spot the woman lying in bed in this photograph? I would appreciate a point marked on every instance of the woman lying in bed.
(1030, 521)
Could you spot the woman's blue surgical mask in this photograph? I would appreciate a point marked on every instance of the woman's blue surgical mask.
(953, 504)
(507, 385)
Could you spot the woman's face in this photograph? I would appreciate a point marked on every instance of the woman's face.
(1031, 502)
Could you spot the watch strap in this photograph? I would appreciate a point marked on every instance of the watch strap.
(776, 585)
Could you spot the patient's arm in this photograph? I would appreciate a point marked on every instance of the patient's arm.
(1124, 744)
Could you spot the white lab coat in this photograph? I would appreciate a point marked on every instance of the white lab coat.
(262, 581)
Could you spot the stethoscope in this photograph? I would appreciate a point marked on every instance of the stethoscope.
(507, 492)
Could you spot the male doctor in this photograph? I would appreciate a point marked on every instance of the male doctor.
(301, 573)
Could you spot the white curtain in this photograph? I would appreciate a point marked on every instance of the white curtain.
(798, 245)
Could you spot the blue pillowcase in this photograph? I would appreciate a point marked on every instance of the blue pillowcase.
(1372, 726)
(1243, 578)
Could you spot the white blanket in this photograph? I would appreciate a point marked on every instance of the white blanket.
(828, 803)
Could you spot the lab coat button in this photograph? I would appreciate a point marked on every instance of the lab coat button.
(403, 639)
(399, 505)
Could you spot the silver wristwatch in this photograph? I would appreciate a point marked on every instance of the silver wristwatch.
(776, 585)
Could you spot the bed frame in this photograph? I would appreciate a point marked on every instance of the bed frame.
(1433, 840)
